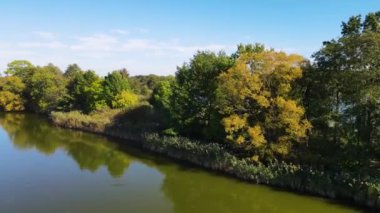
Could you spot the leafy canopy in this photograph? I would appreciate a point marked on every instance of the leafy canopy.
(125, 99)
(194, 93)
(114, 84)
(47, 88)
(259, 112)
(11, 91)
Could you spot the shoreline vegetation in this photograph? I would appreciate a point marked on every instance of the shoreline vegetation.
(344, 185)
(258, 114)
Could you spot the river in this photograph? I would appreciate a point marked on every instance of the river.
(48, 169)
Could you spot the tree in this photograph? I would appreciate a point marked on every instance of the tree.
(350, 70)
(162, 95)
(145, 84)
(12, 84)
(248, 48)
(10, 102)
(342, 93)
(352, 26)
(162, 101)
(11, 91)
(72, 70)
(125, 99)
(48, 88)
(371, 22)
(259, 113)
(20, 68)
(114, 84)
(73, 73)
(194, 94)
(86, 92)
(124, 72)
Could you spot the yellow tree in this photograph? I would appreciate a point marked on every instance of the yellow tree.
(259, 113)
(11, 89)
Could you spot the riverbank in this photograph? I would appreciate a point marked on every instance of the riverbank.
(358, 188)
(79, 168)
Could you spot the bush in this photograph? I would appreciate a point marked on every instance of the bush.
(125, 99)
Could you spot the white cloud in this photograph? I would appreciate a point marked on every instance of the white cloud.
(143, 30)
(137, 45)
(193, 49)
(5, 45)
(95, 42)
(44, 34)
(96, 45)
(15, 53)
(105, 52)
(121, 32)
(50, 45)
(171, 46)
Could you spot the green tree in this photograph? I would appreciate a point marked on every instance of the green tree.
(371, 22)
(124, 72)
(342, 92)
(20, 68)
(248, 48)
(162, 95)
(162, 101)
(352, 26)
(194, 94)
(72, 71)
(72, 74)
(92, 92)
(86, 92)
(47, 88)
(145, 84)
(114, 84)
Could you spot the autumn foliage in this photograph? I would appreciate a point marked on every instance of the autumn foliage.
(259, 112)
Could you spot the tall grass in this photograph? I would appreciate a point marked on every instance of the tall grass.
(95, 122)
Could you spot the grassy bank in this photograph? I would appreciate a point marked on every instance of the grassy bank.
(362, 189)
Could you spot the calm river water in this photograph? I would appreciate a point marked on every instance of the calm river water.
(49, 169)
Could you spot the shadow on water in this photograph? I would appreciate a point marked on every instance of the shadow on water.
(188, 187)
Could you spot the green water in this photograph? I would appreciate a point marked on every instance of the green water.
(48, 169)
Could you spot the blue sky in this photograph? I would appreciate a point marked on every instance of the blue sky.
(149, 36)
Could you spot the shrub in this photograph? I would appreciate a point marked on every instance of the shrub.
(125, 99)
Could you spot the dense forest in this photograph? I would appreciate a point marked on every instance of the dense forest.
(260, 104)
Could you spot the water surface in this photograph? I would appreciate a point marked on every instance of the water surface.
(49, 169)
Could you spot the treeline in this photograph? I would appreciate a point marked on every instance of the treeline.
(274, 106)
(46, 89)
(261, 104)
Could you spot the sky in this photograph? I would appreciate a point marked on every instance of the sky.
(154, 37)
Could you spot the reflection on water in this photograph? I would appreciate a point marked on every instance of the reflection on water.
(38, 175)
(89, 151)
